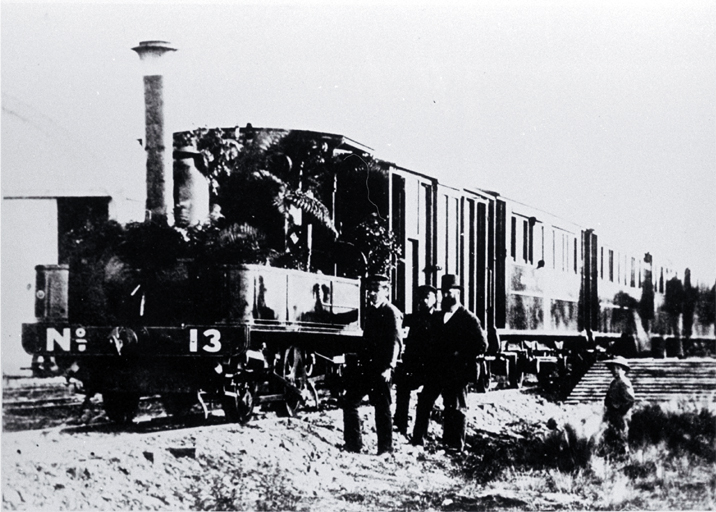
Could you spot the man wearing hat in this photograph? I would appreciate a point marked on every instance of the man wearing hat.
(459, 339)
(378, 356)
(617, 405)
(417, 354)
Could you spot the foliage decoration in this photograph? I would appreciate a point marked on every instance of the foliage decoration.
(267, 187)
(92, 240)
(143, 245)
(151, 246)
(379, 246)
(273, 181)
(234, 244)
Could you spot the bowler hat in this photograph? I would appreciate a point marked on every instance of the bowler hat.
(424, 288)
(619, 361)
(449, 281)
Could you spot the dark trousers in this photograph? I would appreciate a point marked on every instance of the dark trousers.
(616, 435)
(454, 423)
(378, 391)
(405, 382)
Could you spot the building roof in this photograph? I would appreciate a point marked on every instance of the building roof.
(41, 158)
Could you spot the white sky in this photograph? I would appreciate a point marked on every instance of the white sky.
(602, 113)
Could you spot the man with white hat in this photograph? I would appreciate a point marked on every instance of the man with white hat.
(617, 406)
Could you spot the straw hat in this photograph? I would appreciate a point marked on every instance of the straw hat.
(618, 361)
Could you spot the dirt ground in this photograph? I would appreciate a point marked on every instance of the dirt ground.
(271, 463)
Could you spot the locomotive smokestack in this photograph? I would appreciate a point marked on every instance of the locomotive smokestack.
(160, 183)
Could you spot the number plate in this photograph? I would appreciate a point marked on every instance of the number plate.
(204, 340)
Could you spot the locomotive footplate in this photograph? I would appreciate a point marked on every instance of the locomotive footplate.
(229, 363)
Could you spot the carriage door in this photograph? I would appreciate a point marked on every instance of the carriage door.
(589, 296)
(397, 226)
(412, 205)
(448, 250)
(476, 261)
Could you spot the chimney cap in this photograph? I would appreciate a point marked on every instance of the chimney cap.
(153, 48)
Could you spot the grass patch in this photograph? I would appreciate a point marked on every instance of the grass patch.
(227, 486)
(691, 431)
(671, 464)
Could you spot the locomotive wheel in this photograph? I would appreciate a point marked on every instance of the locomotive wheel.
(310, 364)
(120, 407)
(293, 370)
(178, 404)
(238, 401)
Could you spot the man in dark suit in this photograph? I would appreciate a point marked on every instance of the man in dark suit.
(382, 341)
(460, 338)
(416, 357)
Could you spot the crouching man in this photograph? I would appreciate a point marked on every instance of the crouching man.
(380, 347)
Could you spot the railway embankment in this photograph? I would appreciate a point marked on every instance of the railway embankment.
(517, 459)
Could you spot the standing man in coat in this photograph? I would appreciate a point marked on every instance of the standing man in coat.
(378, 356)
(417, 354)
(617, 408)
(459, 340)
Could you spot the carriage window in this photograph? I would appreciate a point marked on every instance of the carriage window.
(453, 252)
(513, 239)
(638, 273)
(632, 281)
(576, 261)
(542, 257)
(611, 265)
(601, 262)
(457, 203)
(525, 241)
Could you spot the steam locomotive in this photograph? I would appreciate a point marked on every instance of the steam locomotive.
(201, 311)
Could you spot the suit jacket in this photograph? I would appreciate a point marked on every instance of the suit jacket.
(382, 337)
(419, 345)
(460, 341)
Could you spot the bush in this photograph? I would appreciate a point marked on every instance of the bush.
(565, 449)
(692, 431)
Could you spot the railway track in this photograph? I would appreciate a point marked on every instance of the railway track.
(38, 403)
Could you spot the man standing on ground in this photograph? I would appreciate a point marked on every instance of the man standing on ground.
(460, 338)
(382, 341)
(411, 371)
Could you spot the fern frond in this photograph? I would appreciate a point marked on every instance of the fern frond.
(238, 233)
(312, 207)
